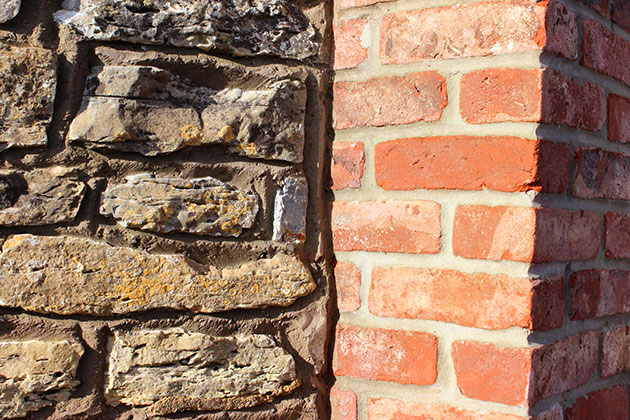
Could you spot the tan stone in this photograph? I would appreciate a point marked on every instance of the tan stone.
(35, 373)
(174, 370)
(70, 276)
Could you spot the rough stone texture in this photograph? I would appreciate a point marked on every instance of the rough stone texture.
(69, 276)
(289, 221)
(28, 82)
(151, 111)
(238, 27)
(174, 370)
(36, 373)
(9, 9)
(39, 197)
(203, 206)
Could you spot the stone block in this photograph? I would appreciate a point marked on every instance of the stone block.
(9, 9)
(290, 208)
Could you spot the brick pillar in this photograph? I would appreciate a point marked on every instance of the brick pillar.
(481, 221)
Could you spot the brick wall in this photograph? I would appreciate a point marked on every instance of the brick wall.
(480, 219)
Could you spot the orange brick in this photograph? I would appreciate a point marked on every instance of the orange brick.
(348, 281)
(386, 226)
(343, 404)
(348, 159)
(389, 409)
(349, 52)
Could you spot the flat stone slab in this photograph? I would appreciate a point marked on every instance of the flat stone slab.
(202, 206)
(9, 9)
(28, 82)
(39, 197)
(290, 209)
(36, 373)
(237, 27)
(71, 276)
(150, 111)
(169, 371)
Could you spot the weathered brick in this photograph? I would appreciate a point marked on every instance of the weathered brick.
(387, 226)
(389, 100)
(348, 159)
(607, 404)
(479, 29)
(343, 404)
(463, 163)
(602, 51)
(349, 50)
(404, 357)
(601, 174)
(617, 235)
(346, 4)
(600, 6)
(525, 234)
(348, 281)
(615, 351)
(620, 13)
(389, 409)
(596, 293)
(619, 118)
(478, 300)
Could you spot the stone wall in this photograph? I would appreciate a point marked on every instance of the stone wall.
(161, 209)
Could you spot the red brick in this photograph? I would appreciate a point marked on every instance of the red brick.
(349, 51)
(404, 357)
(601, 174)
(607, 404)
(619, 118)
(617, 235)
(345, 4)
(389, 409)
(387, 226)
(348, 159)
(615, 352)
(389, 100)
(603, 50)
(554, 413)
(476, 300)
(596, 293)
(479, 29)
(525, 234)
(343, 404)
(600, 6)
(348, 281)
(620, 13)
(464, 163)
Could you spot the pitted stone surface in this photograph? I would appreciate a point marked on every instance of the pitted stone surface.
(28, 81)
(39, 197)
(151, 111)
(174, 370)
(35, 373)
(9, 9)
(67, 275)
(203, 206)
(290, 208)
(238, 27)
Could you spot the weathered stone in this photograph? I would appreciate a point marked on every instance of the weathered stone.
(69, 276)
(39, 197)
(291, 203)
(28, 81)
(151, 111)
(9, 9)
(174, 370)
(238, 27)
(35, 373)
(203, 206)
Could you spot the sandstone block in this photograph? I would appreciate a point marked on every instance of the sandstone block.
(39, 197)
(36, 373)
(203, 206)
(28, 81)
(241, 28)
(174, 370)
(9, 9)
(150, 111)
(71, 276)
(289, 222)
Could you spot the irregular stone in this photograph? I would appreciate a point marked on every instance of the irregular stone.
(151, 111)
(70, 276)
(238, 27)
(28, 81)
(291, 203)
(173, 370)
(203, 206)
(9, 9)
(36, 373)
(39, 197)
